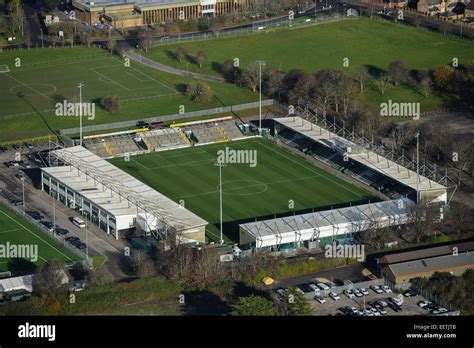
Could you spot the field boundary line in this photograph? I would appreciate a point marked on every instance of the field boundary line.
(108, 78)
(8, 231)
(28, 86)
(44, 241)
(55, 65)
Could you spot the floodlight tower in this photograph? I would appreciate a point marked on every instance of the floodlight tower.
(81, 84)
(260, 63)
(220, 165)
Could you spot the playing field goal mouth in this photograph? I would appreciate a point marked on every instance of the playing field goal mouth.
(4, 68)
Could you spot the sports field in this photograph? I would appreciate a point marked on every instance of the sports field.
(269, 188)
(44, 77)
(17, 231)
(364, 41)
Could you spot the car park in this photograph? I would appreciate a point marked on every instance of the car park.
(319, 299)
(376, 289)
(334, 296)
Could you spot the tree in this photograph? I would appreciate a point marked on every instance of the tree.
(199, 91)
(443, 75)
(110, 104)
(272, 83)
(253, 305)
(141, 264)
(99, 276)
(304, 90)
(251, 76)
(347, 93)
(145, 39)
(181, 54)
(200, 58)
(397, 72)
(207, 267)
(295, 304)
(426, 86)
(382, 83)
(361, 76)
(48, 278)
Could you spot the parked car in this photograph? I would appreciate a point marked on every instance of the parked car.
(319, 299)
(3, 149)
(61, 231)
(34, 214)
(78, 222)
(49, 225)
(439, 311)
(280, 291)
(338, 282)
(381, 303)
(395, 307)
(387, 289)
(16, 201)
(334, 296)
(357, 293)
(364, 292)
(29, 146)
(323, 286)
(81, 246)
(410, 294)
(299, 290)
(376, 289)
(20, 176)
(16, 147)
(313, 287)
(423, 304)
(349, 293)
(396, 300)
(72, 239)
(381, 310)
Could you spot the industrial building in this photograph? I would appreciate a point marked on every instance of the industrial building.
(125, 14)
(114, 200)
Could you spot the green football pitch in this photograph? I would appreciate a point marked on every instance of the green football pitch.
(15, 230)
(280, 183)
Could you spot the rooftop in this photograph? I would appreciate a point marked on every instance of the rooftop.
(364, 156)
(116, 191)
(434, 264)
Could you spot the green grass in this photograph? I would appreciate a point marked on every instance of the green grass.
(190, 175)
(16, 230)
(28, 93)
(364, 41)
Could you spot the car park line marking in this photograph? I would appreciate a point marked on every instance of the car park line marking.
(36, 236)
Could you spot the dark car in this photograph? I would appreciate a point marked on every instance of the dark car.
(142, 124)
(48, 225)
(16, 201)
(338, 282)
(3, 149)
(20, 176)
(395, 307)
(16, 147)
(81, 246)
(71, 239)
(409, 294)
(61, 231)
(29, 146)
(34, 214)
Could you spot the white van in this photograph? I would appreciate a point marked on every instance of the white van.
(79, 222)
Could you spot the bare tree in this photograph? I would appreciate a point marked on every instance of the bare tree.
(362, 75)
(207, 267)
(426, 86)
(304, 89)
(382, 84)
(251, 76)
(99, 276)
(48, 278)
(181, 53)
(397, 72)
(141, 264)
(200, 58)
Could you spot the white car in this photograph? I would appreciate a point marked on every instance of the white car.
(381, 310)
(299, 290)
(323, 286)
(386, 289)
(368, 312)
(313, 287)
(280, 291)
(376, 289)
(364, 292)
(382, 303)
(375, 311)
(349, 293)
(319, 299)
(423, 304)
(396, 301)
(358, 293)
(334, 296)
(439, 311)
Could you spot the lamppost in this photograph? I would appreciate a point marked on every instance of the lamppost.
(42, 42)
(23, 191)
(220, 165)
(260, 63)
(80, 112)
(417, 166)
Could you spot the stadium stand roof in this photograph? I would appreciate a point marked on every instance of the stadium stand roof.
(116, 191)
(327, 223)
(17, 283)
(364, 156)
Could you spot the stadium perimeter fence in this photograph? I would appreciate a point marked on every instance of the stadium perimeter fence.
(256, 28)
(5, 203)
(174, 117)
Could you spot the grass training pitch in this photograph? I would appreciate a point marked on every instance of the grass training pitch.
(364, 41)
(17, 231)
(269, 188)
(44, 77)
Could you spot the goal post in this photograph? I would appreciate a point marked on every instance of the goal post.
(4, 68)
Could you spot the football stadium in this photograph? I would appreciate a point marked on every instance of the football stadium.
(301, 182)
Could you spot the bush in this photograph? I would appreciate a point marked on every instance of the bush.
(110, 104)
(199, 91)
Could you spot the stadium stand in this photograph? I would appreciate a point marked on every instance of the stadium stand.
(213, 132)
(166, 138)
